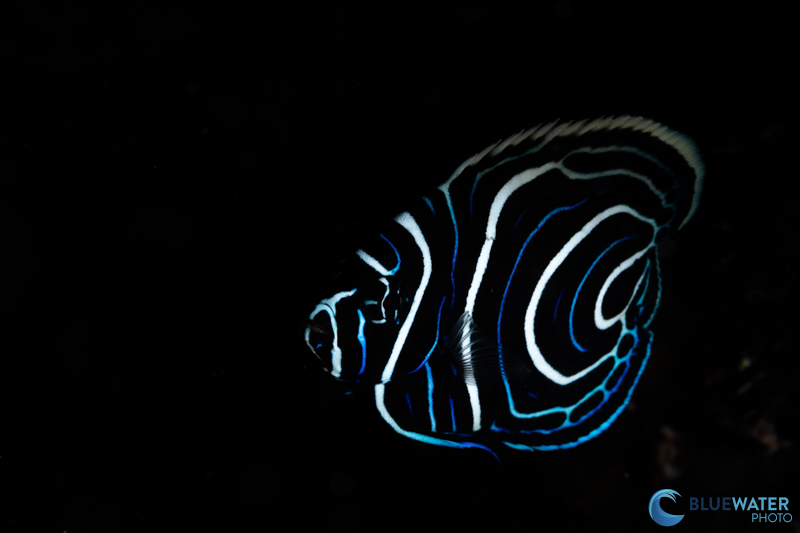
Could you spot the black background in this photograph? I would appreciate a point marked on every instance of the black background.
(180, 180)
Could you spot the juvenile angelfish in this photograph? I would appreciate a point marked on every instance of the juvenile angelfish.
(513, 303)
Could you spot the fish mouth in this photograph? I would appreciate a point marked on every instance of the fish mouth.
(318, 335)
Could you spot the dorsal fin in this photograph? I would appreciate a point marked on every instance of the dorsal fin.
(609, 129)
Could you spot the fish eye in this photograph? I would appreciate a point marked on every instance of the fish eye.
(395, 299)
(385, 303)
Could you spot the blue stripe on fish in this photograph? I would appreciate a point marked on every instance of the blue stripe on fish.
(563, 215)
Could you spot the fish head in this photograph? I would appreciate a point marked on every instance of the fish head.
(352, 332)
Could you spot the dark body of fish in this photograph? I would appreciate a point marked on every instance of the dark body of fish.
(513, 303)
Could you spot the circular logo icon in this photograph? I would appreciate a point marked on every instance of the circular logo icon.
(660, 517)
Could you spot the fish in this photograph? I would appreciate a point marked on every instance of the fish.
(512, 305)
